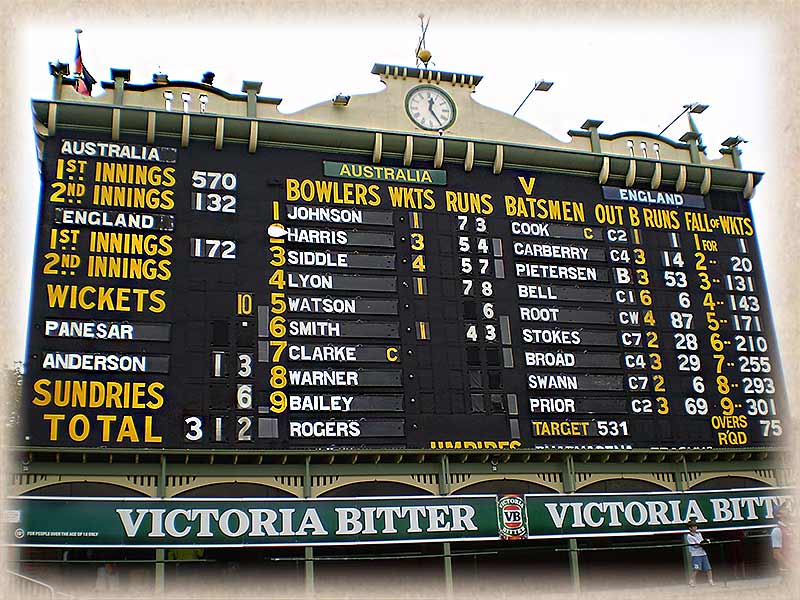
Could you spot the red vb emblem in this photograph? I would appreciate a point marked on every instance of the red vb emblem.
(512, 516)
(511, 513)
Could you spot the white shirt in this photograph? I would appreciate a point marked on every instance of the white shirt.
(694, 540)
(776, 537)
(106, 581)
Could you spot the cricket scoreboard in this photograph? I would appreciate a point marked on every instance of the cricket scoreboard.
(295, 299)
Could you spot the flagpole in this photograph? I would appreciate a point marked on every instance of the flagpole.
(78, 33)
(84, 80)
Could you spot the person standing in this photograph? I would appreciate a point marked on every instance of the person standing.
(107, 579)
(780, 540)
(695, 540)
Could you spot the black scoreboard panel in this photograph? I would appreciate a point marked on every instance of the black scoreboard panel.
(194, 298)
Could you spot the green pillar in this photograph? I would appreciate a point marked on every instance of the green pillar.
(309, 550)
(160, 583)
(680, 485)
(162, 493)
(309, 571)
(444, 490)
(780, 471)
(448, 570)
(574, 566)
(569, 488)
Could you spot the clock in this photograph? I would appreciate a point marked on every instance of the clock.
(430, 107)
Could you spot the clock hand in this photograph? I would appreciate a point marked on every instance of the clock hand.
(430, 110)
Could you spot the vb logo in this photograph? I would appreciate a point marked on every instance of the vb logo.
(511, 514)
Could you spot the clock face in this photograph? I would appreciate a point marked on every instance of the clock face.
(430, 108)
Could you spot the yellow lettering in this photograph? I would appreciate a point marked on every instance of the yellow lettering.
(106, 420)
(127, 430)
(155, 389)
(98, 394)
(527, 184)
(565, 428)
(468, 203)
(633, 216)
(149, 436)
(44, 397)
(54, 421)
(475, 444)
(292, 190)
(78, 434)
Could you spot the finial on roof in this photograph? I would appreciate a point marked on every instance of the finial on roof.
(423, 55)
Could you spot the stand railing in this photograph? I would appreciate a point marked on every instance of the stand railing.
(21, 586)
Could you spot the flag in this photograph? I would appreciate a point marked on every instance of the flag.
(84, 79)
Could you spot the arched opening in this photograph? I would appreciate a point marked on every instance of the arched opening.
(86, 489)
(235, 490)
(620, 486)
(374, 488)
(505, 486)
(728, 482)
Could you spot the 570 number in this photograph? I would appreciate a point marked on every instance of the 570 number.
(211, 180)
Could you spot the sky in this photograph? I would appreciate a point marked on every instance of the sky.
(624, 64)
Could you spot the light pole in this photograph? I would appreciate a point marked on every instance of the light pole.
(695, 108)
(540, 86)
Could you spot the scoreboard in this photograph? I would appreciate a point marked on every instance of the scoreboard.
(296, 299)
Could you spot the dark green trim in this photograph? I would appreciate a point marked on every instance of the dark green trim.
(230, 463)
(331, 138)
(502, 470)
(417, 73)
(627, 134)
(137, 87)
(655, 456)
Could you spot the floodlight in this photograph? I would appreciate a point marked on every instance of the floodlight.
(694, 107)
(539, 86)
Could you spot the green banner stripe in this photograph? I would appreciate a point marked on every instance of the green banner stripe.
(209, 522)
(383, 173)
(235, 522)
(576, 515)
